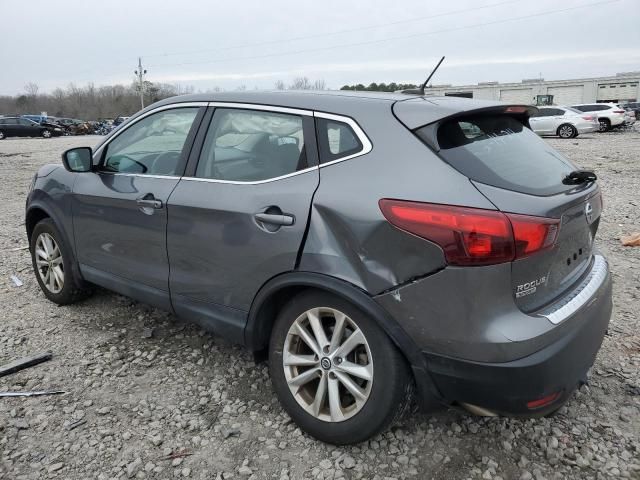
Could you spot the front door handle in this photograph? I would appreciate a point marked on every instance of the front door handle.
(275, 219)
(149, 201)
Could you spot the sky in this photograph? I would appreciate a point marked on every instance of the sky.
(231, 44)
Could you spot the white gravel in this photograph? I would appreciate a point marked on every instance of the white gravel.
(162, 399)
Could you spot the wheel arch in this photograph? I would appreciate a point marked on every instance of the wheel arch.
(34, 215)
(38, 211)
(278, 290)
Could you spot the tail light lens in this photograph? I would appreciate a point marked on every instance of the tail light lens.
(618, 111)
(472, 236)
(588, 117)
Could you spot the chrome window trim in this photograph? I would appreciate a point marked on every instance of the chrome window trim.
(367, 146)
(583, 294)
(98, 152)
(366, 143)
(261, 107)
(256, 182)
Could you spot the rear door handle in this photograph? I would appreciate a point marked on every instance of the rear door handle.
(147, 202)
(275, 219)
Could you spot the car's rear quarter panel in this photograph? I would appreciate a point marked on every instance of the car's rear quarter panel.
(348, 236)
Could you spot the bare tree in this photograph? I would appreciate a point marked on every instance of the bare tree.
(319, 85)
(300, 83)
(279, 85)
(32, 89)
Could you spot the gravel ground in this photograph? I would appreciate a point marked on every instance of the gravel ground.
(160, 398)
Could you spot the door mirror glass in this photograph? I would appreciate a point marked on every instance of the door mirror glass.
(78, 159)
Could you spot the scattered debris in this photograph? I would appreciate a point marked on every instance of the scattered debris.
(76, 424)
(147, 332)
(228, 432)
(16, 281)
(632, 240)
(36, 393)
(177, 454)
(26, 247)
(23, 363)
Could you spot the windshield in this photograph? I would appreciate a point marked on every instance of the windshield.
(499, 150)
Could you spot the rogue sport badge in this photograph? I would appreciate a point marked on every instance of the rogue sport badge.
(588, 211)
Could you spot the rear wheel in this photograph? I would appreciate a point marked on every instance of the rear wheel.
(605, 124)
(46, 133)
(52, 264)
(567, 131)
(2, 135)
(335, 371)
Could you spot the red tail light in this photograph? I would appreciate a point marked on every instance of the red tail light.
(472, 236)
(618, 111)
(544, 401)
(588, 117)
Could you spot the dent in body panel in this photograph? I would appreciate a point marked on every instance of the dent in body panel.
(364, 250)
(348, 236)
(469, 313)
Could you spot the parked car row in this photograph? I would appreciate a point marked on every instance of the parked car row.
(569, 122)
(45, 126)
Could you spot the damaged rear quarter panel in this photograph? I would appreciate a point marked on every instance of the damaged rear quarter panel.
(349, 238)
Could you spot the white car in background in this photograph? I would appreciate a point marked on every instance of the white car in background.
(564, 122)
(609, 114)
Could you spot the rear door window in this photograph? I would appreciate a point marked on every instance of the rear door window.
(499, 150)
(251, 146)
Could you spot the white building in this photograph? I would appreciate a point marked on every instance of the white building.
(621, 88)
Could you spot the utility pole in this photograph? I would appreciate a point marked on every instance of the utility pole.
(141, 73)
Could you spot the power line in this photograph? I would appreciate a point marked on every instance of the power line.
(336, 32)
(402, 37)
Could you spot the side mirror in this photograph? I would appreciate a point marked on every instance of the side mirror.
(78, 159)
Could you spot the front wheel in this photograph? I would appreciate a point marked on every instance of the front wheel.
(335, 371)
(567, 131)
(52, 264)
(2, 135)
(46, 134)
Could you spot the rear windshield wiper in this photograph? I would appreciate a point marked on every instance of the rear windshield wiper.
(579, 176)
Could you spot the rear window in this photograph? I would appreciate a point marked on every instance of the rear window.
(499, 150)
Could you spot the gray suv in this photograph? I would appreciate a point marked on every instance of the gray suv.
(371, 247)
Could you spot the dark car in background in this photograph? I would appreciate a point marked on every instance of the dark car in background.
(23, 127)
(369, 245)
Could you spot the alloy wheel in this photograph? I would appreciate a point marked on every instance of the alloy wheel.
(46, 134)
(566, 131)
(49, 263)
(328, 364)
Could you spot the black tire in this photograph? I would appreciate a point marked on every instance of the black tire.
(391, 388)
(566, 130)
(605, 124)
(74, 288)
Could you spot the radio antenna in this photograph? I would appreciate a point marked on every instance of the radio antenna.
(424, 85)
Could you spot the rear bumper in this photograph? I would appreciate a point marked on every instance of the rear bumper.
(507, 387)
(588, 127)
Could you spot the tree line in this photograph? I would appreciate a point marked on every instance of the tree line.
(88, 102)
(93, 103)
(380, 87)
